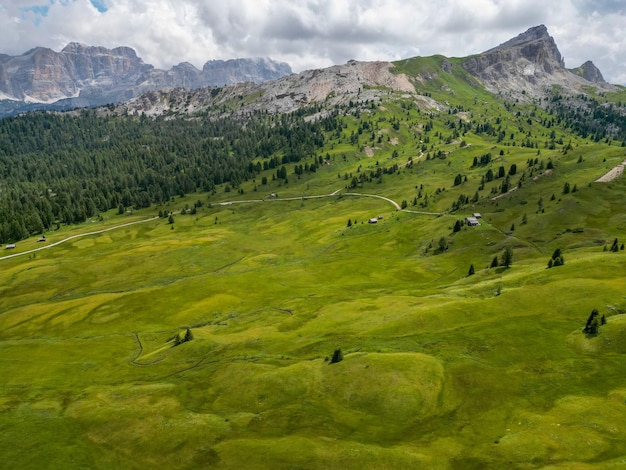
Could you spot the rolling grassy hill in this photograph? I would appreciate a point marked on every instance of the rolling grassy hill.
(439, 370)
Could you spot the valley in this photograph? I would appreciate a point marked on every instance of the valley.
(259, 320)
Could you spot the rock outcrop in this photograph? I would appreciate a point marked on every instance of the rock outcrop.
(589, 72)
(339, 84)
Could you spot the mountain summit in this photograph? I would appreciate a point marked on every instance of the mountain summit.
(527, 65)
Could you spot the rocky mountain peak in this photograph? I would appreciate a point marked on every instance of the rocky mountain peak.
(589, 72)
(536, 46)
(527, 65)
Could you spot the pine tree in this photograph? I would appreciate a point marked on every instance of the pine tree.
(188, 336)
(593, 325)
(494, 262)
(507, 257)
(471, 270)
(337, 356)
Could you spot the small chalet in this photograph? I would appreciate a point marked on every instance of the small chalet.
(477, 215)
(42, 239)
(472, 221)
(10, 246)
(373, 220)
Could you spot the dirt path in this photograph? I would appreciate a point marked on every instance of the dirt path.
(225, 203)
(47, 247)
(612, 174)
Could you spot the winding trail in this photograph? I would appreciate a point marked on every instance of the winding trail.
(51, 245)
(336, 193)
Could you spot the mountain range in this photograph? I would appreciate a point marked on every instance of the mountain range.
(526, 68)
(83, 76)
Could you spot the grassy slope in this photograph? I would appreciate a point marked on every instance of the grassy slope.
(439, 370)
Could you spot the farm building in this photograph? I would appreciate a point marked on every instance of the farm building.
(373, 220)
(10, 246)
(472, 221)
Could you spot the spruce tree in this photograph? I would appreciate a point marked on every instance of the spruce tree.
(507, 257)
(188, 336)
(337, 356)
(592, 326)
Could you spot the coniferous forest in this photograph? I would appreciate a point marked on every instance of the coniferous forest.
(63, 169)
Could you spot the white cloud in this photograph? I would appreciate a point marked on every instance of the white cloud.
(316, 33)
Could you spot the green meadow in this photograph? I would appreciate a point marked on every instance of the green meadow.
(440, 369)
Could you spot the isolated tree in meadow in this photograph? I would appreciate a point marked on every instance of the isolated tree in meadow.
(170, 219)
(593, 323)
(188, 336)
(507, 257)
(556, 259)
(494, 262)
(443, 244)
(615, 246)
(337, 356)
(457, 226)
(471, 270)
(349, 222)
(566, 188)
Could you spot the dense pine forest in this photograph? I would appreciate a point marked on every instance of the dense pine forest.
(63, 169)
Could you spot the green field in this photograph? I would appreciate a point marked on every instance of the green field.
(440, 369)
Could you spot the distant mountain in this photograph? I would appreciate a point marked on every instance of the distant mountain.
(81, 76)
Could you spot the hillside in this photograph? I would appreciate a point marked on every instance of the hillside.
(282, 276)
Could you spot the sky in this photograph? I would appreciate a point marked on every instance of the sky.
(311, 34)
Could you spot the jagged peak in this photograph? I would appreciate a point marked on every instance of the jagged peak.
(535, 44)
(185, 66)
(589, 72)
(74, 47)
(536, 33)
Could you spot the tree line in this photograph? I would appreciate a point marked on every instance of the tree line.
(65, 168)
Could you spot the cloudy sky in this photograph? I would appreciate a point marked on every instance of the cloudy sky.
(316, 33)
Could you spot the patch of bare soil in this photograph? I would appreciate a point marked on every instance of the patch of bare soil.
(612, 174)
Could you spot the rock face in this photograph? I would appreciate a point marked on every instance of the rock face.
(589, 72)
(82, 75)
(527, 66)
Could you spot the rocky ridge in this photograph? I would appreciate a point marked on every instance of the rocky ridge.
(526, 67)
(339, 84)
